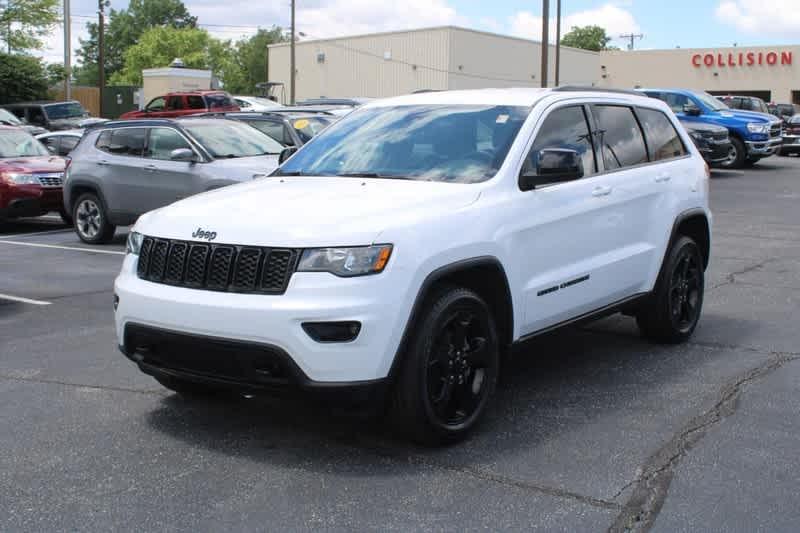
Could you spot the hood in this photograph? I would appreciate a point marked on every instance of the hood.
(747, 116)
(305, 212)
(33, 164)
(244, 168)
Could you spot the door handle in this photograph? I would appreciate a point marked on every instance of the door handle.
(661, 178)
(601, 191)
(150, 168)
(103, 162)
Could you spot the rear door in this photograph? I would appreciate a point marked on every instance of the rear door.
(120, 165)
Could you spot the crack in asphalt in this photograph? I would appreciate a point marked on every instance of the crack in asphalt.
(8, 377)
(730, 278)
(652, 485)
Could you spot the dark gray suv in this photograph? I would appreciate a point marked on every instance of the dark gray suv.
(122, 169)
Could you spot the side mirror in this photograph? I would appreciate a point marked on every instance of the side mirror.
(692, 110)
(556, 165)
(286, 153)
(182, 154)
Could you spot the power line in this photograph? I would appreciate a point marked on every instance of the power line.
(632, 37)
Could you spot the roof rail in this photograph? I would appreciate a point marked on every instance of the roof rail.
(130, 122)
(579, 88)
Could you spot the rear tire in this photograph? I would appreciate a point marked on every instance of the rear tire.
(737, 154)
(91, 220)
(673, 310)
(449, 370)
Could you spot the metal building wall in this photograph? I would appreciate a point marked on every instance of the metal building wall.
(359, 66)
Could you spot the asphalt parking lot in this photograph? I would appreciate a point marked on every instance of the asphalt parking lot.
(595, 429)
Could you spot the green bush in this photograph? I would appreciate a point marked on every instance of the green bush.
(22, 78)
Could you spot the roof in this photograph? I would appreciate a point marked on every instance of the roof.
(42, 102)
(429, 29)
(71, 133)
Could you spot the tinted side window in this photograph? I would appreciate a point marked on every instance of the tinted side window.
(68, 144)
(163, 141)
(568, 128)
(52, 143)
(219, 100)
(195, 102)
(273, 129)
(619, 137)
(174, 103)
(663, 140)
(124, 141)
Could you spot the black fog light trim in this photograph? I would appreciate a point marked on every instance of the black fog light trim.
(116, 302)
(332, 331)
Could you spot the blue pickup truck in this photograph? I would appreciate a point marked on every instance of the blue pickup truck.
(753, 135)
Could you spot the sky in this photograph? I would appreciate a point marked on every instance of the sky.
(663, 23)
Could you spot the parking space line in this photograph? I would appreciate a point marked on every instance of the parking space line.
(33, 234)
(58, 247)
(23, 300)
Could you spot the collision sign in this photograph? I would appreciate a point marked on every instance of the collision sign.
(742, 59)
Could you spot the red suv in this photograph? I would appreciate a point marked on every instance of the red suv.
(31, 178)
(185, 103)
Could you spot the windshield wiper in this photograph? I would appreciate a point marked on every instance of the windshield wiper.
(280, 172)
(373, 175)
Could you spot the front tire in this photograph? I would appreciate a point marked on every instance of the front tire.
(671, 314)
(449, 370)
(736, 156)
(91, 220)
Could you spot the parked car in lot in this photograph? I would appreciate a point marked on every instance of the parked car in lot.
(53, 116)
(290, 129)
(711, 140)
(791, 137)
(746, 103)
(126, 168)
(179, 104)
(351, 270)
(30, 178)
(257, 104)
(753, 135)
(784, 111)
(7, 118)
(61, 142)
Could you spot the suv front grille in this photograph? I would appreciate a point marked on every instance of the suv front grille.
(720, 135)
(53, 179)
(775, 130)
(216, 267)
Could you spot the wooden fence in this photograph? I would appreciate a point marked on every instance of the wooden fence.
(89, 97)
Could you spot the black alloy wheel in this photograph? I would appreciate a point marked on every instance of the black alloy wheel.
(671, 313)
(449, 369)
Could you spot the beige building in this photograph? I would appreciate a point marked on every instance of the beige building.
(394, 63)
(769, 72)
(160, 81)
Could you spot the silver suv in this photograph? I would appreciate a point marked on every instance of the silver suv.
(123, 169)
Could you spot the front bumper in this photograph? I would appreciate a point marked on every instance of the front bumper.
(763, 148)
(715, 151)
(791, 144)
(274, 322)
(28, 200)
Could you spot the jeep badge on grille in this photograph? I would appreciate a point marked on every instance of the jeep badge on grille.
(200, 233)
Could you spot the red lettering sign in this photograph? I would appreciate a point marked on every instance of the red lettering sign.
(741, 59)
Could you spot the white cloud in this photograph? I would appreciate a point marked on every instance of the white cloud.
(774, 17)
(613, 18)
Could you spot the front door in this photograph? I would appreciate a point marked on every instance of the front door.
(163, 180)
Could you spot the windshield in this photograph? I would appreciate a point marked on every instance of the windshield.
(308, 127)
(228, 139)
(9, 118)
(454, 143)
(17, 143)
(710, 101)
(67, 110)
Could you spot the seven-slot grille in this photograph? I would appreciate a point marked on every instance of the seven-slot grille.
(54, 179)
(216, 267)
(775, 129)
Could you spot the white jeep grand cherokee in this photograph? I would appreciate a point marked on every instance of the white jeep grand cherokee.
(406, 248)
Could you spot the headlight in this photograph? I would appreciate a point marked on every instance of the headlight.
(757, 127)
(21, 179)
(134, 244)
(346, 262)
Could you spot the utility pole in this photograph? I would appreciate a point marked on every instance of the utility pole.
(632, 37)
(8, 29)
(291, 62)
(558, 42)
(67, 54)
(101, 48)
(545, 39)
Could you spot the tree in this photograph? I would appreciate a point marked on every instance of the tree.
(23, 23)
(124, 29)
(158, 46)
(588, 38)
(55, 74)
(22, 78)
(251, 56)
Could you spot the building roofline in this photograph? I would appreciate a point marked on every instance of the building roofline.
(771, 47)
(430, 28)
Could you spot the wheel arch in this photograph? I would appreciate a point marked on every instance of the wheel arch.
(486, 276)
(693, 223)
